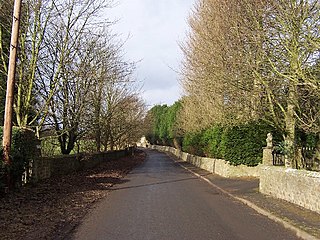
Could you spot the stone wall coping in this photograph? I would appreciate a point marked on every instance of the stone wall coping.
(292, 171)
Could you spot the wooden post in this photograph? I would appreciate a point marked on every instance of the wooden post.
(7, 129)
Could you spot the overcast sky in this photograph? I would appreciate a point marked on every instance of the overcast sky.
(155, 28)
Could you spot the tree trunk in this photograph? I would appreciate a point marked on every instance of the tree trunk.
(317, 153)
(67, 142)
(176, 143)
(111, 142)
(62, 141)
(98, 139)
(290, 121)
(71, 141)
(97, 127)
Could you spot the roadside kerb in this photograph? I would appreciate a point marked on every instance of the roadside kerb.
(275, 181)
(300, 233)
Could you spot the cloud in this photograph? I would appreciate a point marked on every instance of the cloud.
(155, 27)
(156, 95)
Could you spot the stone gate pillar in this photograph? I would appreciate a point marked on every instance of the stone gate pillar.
(267, 158)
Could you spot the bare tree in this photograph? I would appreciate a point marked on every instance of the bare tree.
(103, 65)
(215, 73)
(120, 104)
(66, 81)
(253, 60)
(290, 50)
(36, 15)
(72, 76)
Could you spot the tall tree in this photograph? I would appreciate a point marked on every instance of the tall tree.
(291, 43)
(114, 102)
(215, 78)
(120, 92)
(36, 15)
(253, 60)
(161, 125)
(65, 80)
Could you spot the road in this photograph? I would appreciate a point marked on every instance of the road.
(161, 200)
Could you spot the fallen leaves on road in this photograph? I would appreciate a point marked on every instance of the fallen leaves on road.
(53, 208)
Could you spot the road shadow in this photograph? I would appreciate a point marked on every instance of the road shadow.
(53, 208)
(153, 184)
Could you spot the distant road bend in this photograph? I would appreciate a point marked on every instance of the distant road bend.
(162, 201)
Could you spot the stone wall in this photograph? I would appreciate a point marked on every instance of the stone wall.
(46, 167)
(217, 166)
(300, 187)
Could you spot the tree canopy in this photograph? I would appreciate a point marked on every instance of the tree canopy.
(249, 60)
(72, 78)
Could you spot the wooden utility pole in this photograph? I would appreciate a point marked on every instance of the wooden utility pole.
(7, 129)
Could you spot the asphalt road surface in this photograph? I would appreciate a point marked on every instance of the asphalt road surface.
(160, 200)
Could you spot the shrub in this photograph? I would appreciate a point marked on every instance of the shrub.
(161, 124)
(2, 173)
(243, 144)
(211, 141)
(23, 150)
(240, 144)
(192, 143)
(50, 146)
(307, 139)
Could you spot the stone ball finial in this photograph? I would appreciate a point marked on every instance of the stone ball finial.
(269, 140)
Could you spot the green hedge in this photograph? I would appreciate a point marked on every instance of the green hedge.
(193, 143)
(211, 140)
(243, 144)
(23, 149)
(239, 144)
(162, 126)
